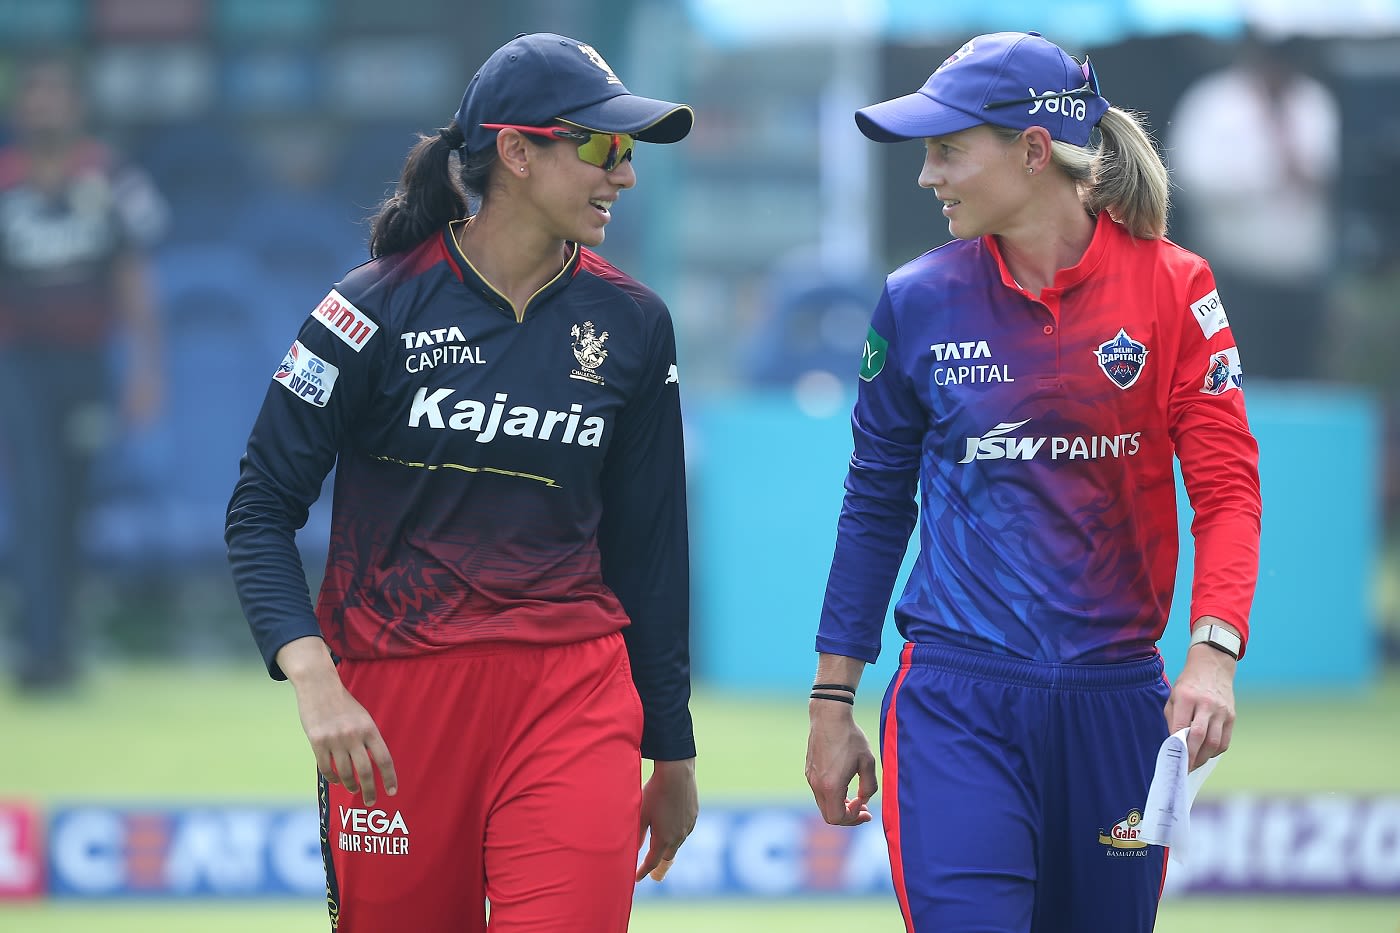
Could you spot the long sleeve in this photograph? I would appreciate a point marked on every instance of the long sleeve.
(879, 510)
(643, 539)
(1219, 462)
(313, 397)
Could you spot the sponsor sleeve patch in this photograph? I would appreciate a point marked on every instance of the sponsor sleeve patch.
(1210, 314)
(307, 376)
(1223, 372)
(347, 322)
(872, 358)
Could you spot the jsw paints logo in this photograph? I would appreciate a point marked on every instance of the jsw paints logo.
(996, 444)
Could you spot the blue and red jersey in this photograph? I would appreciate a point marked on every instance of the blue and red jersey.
(1040, 432)
(498, 477)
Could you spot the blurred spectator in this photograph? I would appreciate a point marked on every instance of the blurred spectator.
(74, 223)
(1255, 148)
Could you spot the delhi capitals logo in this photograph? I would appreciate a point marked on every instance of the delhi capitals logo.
(1121, 359)
(957, 56)
(588, 350)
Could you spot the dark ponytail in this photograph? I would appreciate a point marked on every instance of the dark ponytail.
(426, 198)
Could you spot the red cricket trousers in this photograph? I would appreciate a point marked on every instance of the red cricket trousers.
(519, 784)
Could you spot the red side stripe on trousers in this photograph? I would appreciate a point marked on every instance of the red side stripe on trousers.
(1166, 852)
(889, 754)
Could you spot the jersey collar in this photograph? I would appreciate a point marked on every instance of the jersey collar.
(479, 284)
(1106, 230)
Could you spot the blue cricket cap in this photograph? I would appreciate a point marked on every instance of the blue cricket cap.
(538, 78)
(1012, 79)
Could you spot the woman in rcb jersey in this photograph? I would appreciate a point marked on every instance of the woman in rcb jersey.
(502, 631)
(1033, 380)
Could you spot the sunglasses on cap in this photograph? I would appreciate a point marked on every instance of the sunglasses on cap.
(605, 150)
(1090, 88)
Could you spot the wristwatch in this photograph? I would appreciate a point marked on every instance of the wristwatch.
(1218, 637)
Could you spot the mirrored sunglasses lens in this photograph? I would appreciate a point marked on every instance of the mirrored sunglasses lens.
(606, 150)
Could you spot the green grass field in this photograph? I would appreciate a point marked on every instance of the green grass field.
(166, 734)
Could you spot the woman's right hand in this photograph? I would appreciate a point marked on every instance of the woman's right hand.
(837, 753)
(343, 735)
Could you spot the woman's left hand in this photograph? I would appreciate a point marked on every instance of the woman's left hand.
(670, 805)
(1203, 698)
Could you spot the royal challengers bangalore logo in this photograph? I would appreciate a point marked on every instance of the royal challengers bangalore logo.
(592, 55)
(1122, 359)
(588, 350)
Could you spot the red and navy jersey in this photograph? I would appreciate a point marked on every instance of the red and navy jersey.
(1040, 432)
(498, 478)
(59, 244)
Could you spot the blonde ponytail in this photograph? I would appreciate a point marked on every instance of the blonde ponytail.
(1128, 178)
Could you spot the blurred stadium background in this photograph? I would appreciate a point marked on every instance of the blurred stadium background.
(170, 783)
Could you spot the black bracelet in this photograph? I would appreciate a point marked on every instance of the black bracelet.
(846, 687)
(824, 696)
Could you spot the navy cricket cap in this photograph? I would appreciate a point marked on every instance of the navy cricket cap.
(1012, 79)
(538, 78)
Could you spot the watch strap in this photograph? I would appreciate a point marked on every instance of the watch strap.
(1219, 638)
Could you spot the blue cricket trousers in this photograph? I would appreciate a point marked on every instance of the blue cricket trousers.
(1012, 790)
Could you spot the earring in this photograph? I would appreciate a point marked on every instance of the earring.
(1029, 170)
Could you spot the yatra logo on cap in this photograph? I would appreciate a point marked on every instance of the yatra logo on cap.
(1122, 359)
(1057, 102)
